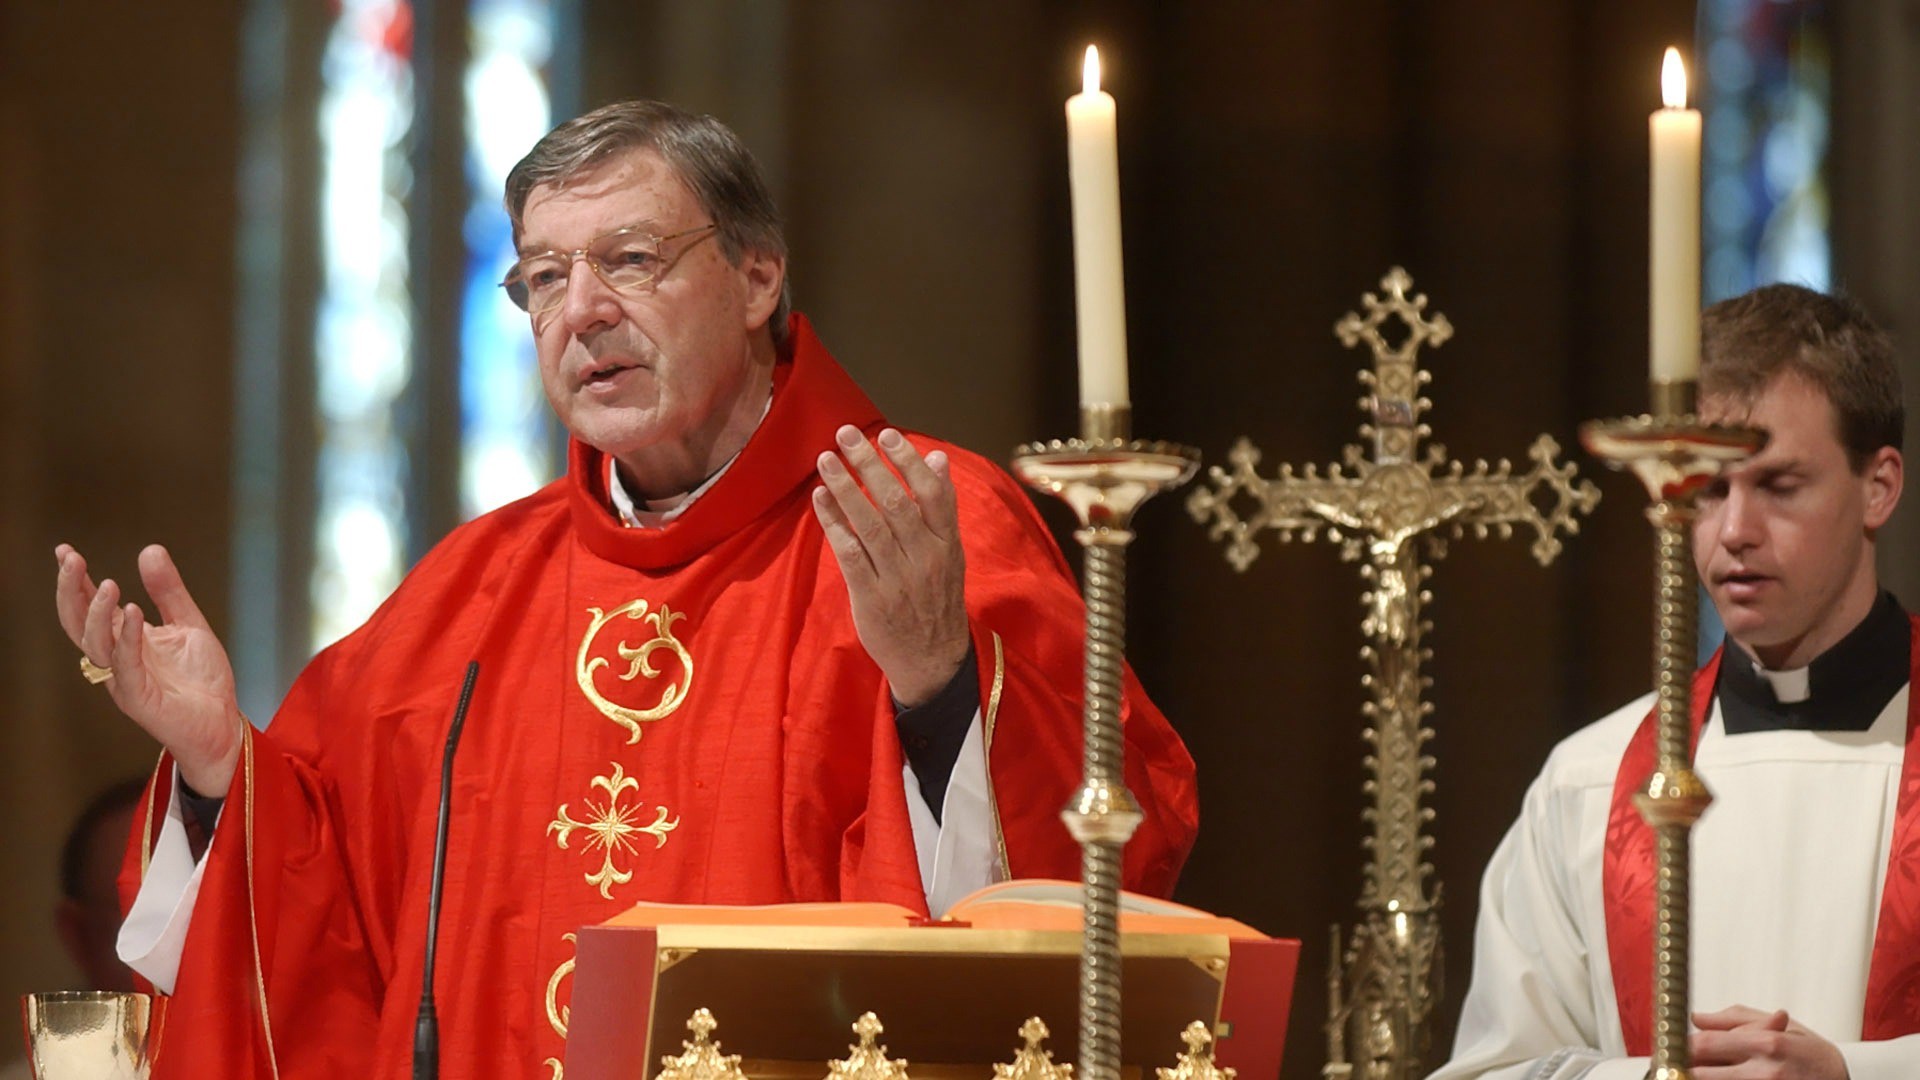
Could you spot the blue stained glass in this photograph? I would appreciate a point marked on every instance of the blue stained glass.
(1767, 105)
(363, 333)
(507, 435)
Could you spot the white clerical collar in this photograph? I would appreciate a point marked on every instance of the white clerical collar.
(1789, 687)
(658, 512)
(1842, 689)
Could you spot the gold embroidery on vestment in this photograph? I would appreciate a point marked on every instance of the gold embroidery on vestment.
(146, 823)
(992, 715)
(610, 828)
(558, 1016)
(253, 907)
(640, 663)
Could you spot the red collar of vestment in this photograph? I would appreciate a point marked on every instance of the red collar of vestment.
(1627, 878)
(812, 397)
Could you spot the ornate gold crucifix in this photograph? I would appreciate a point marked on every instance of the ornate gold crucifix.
(1393, 513)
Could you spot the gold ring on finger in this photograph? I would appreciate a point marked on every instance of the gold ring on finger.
(94, 673)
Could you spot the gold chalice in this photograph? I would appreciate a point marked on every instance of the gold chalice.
(89, 1034)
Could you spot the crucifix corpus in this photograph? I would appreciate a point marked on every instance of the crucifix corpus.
(1393, 513)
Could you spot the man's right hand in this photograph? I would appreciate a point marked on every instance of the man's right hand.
(173, 678)
(1744, 1043)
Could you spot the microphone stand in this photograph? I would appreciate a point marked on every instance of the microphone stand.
(426, 1029)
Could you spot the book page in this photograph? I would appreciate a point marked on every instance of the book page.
(826, 913)
(1021, 904)
(1046, 904)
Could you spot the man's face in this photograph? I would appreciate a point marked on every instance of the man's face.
(1783, 541)
(659, 370)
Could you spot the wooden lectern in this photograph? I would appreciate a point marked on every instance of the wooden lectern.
(952, 995)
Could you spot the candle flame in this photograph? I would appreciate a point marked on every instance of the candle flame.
(1673, 80)
(1091, 73)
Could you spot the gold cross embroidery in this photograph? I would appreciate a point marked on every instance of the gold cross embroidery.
(610, 828)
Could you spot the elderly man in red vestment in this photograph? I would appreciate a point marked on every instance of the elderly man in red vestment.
(757, 646)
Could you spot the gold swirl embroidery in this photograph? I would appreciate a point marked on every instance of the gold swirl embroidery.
(640, 663)
(554, 1064)
(558, 1015)
(610, 828)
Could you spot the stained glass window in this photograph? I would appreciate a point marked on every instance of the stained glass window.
(1768, 106)
(365, 369)
(363, 327)
(507, 436)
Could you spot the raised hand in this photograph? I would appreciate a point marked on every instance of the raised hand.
(898, 546)
(173, 678)
(1741, 1043)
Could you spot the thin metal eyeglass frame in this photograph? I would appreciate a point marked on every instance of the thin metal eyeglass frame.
(523, 298)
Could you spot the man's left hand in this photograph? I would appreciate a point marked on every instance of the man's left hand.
(898, 546)
(1740, 1043)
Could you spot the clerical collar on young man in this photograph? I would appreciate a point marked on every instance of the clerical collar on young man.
(1846, 688)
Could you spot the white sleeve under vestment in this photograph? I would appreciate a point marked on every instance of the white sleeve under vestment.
(1530, 1013)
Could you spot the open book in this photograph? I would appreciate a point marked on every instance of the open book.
(1021, 904)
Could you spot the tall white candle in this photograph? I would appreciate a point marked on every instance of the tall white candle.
(1674, 230)
(1093, 169)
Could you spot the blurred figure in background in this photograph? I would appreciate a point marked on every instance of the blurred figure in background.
(87, 918)
(88, 915)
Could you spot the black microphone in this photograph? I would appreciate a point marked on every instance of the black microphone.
(426, 1029)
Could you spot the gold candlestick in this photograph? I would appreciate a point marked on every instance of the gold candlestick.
(1675, 456)
(1104, 476)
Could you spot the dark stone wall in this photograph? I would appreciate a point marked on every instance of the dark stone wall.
(117, 184)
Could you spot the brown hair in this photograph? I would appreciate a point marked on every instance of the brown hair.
(704, 153)
(1830, 341)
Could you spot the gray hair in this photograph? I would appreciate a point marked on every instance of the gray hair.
(704, 153)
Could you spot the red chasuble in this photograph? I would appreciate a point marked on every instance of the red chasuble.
(681, 714)
(1893, 978)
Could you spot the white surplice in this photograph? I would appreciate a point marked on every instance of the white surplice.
(1788, 865)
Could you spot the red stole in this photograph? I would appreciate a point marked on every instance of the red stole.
(1627, 877)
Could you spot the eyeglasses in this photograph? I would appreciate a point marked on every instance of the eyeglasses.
(628, 260)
